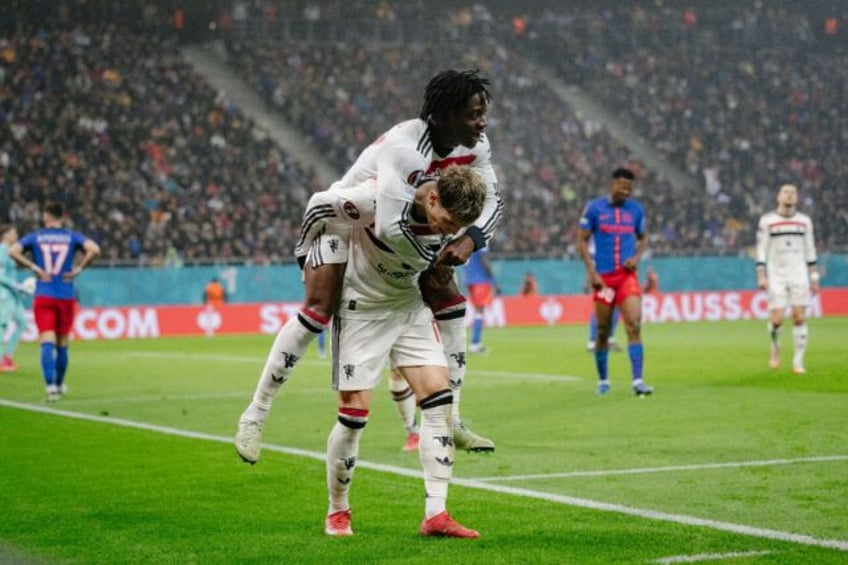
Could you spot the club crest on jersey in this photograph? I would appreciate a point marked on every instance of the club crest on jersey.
(351, 210)
(416, 178)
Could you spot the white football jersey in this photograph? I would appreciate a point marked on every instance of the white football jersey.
(786, 245)
(404, 155)
(381, 278)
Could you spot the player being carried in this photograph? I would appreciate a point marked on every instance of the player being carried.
(450, 130)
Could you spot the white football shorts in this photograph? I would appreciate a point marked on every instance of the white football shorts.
(362, 346)
(783, 292)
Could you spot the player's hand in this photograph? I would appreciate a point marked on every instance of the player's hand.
(41, 274)
(456, 252)
(762, 282)
(631, 264)
(596, 281)
(71, 275)
(814, 287)
(439, 277)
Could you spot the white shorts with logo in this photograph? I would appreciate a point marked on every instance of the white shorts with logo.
(783, 292)
(363, 345)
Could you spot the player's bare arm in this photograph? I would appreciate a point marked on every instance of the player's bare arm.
(457, 252)
(92, 251)
(16, 252)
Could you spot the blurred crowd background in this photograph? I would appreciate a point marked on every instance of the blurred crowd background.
(100, 109)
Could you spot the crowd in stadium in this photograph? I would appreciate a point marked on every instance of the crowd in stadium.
(750, 96)
(161, 169)
(151, 161)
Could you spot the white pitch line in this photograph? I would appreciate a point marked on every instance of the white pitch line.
(698, 557)
(666, 469)
(683, 519)
(254, 360)
(156, 398)
(257, 360)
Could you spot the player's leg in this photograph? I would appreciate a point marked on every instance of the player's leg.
(436, 450)
(46, 318)
(323, 274)
(774, 323)
(322, 344)
(405, 405)
(603, 312)
(441, 294)
(616, 316)
(360, 349)
(631, 316)
(66, 310)
(799, 298)
(323, 285)
(342, 451)
(19, 319)
(5, 318)
(799, 339)
(593, 332)
(777, 302)
(477, 321)
(481, 296)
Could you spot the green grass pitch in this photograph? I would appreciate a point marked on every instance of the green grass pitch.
(728, 460)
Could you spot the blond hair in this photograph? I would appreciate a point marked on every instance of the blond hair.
(462, 193)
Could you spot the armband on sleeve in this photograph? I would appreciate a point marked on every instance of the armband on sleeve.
(476, 235)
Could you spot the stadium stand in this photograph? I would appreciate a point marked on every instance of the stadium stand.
(162, 169)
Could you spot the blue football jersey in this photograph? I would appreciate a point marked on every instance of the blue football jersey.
(614, 230)
(53, 250)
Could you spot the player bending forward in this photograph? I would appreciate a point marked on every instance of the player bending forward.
(382, 315)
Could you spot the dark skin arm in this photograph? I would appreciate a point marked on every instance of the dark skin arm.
(456, 252)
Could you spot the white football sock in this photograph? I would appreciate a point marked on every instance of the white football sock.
(436, 450)
(455, 344)
(774, 334)
(342, 450)
(799, 336)
(289, 346)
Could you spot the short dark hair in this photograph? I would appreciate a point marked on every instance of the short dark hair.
(450, 90)
(623, 173)
(55, 209)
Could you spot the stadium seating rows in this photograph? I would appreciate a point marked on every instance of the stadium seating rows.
(161, 169)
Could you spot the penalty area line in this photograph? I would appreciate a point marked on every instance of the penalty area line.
(682, 519)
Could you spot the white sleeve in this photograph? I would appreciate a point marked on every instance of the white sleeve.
(762, 241)
(342, 208)
(400, 170)
(493, 207)
(810, 243)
